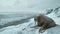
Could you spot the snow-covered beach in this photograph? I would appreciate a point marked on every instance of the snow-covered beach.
(25, 28)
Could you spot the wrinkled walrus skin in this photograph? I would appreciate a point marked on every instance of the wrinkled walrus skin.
(44, 22)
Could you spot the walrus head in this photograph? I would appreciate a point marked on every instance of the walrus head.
(38, 19)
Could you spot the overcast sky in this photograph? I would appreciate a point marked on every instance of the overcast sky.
(27, 5)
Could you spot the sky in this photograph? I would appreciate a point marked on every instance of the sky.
(27, 5)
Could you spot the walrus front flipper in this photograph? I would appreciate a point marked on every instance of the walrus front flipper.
(43, 28)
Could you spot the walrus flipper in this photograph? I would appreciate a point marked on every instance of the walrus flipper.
(43, 28)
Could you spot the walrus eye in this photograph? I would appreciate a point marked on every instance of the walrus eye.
(34, 19)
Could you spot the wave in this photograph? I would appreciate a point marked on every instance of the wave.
(13, 19)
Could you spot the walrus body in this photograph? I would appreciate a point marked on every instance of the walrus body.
(44, 22)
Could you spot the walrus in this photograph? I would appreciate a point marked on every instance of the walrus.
(44, 22)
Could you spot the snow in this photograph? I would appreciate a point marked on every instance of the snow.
(15, 29)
